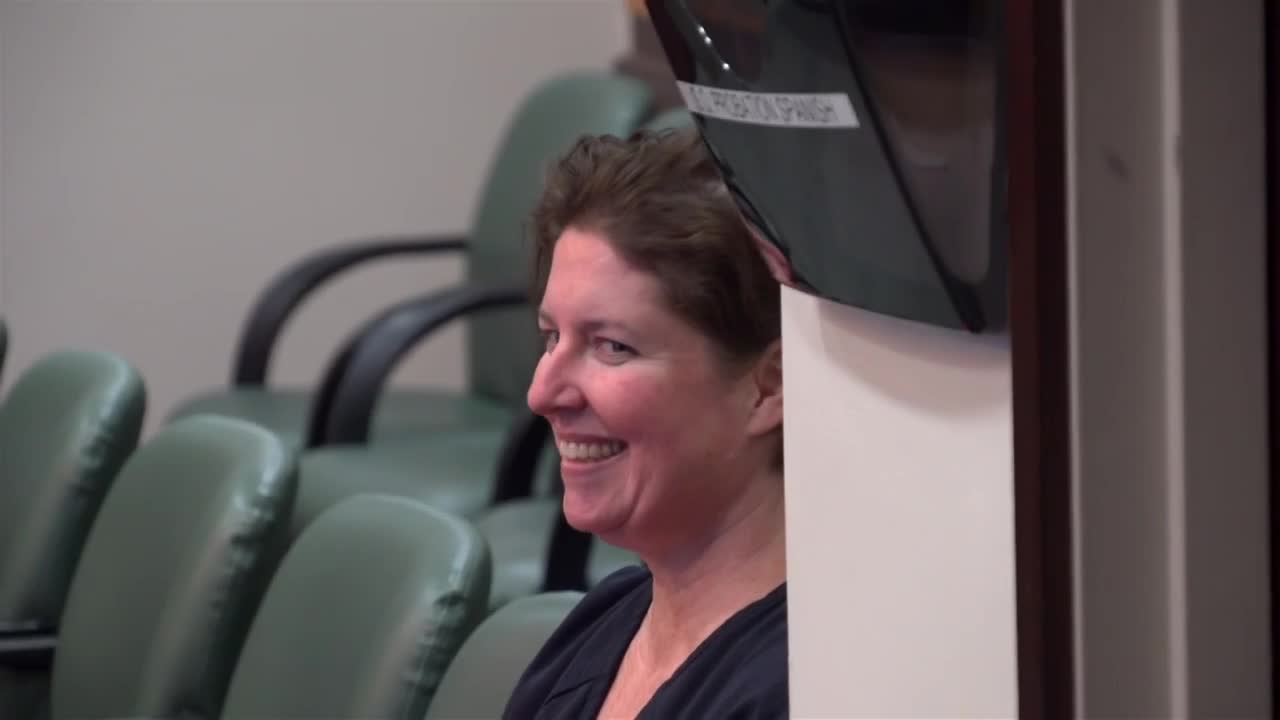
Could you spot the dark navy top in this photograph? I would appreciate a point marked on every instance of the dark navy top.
(739, 672)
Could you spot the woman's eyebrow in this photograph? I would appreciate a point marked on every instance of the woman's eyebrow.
(595, 324)
(588, 325)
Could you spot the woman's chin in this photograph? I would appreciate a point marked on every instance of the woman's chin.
(590, 515)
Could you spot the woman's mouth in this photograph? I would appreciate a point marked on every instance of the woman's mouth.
(591, 451)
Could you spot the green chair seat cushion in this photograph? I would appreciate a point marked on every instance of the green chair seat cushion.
(400, 413)
(450, 471)
(519, 536)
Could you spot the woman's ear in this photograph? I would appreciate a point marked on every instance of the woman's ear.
(773, 258)
(766, 413)
(778, 265)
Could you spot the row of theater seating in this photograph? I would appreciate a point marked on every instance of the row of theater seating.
(189, 597)
(472, 453)
(278, 552)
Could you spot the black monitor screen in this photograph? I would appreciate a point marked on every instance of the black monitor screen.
(863, 139)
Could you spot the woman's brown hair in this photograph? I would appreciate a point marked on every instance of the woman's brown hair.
(657, 197)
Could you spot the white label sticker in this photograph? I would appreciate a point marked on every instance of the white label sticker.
(804, 110)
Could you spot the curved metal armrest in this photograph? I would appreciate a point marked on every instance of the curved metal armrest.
(353, 382)
(567, 557)
(518, 463)
(287, 290)
(28, 649)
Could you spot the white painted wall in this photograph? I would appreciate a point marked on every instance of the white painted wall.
(899, 517)
(161, 160)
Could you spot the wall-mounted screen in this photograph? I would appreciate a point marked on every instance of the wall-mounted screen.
(863, 138)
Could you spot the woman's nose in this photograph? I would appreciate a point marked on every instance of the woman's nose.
(553, 388)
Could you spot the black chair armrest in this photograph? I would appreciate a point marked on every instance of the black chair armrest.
(567, 557)
(353, 382)
(287, 290)
(27, 648)
(518, 463)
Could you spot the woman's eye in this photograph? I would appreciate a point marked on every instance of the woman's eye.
(549, 339)
(614, 351)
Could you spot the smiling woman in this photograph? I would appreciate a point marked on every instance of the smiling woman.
(662, 382)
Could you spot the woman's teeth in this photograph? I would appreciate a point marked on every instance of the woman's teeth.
(590, 451)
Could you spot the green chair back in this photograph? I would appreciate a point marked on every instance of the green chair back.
(672, 118)
(66, 427)
(485, 672)
(172, 573)
(365, 613)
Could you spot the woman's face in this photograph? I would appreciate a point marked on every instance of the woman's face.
(657, 437)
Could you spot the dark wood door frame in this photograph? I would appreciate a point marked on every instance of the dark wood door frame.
(1038, 327)
(1271, 34)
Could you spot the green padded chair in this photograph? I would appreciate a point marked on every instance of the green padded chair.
(66, 427)
(501, 346)
(172, 573)
(519, 532)
(485, 672)
(454, 469)
(439, 447)
(519, 535)
(363, 616)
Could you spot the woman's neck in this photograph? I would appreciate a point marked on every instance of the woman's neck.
(698, 589)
